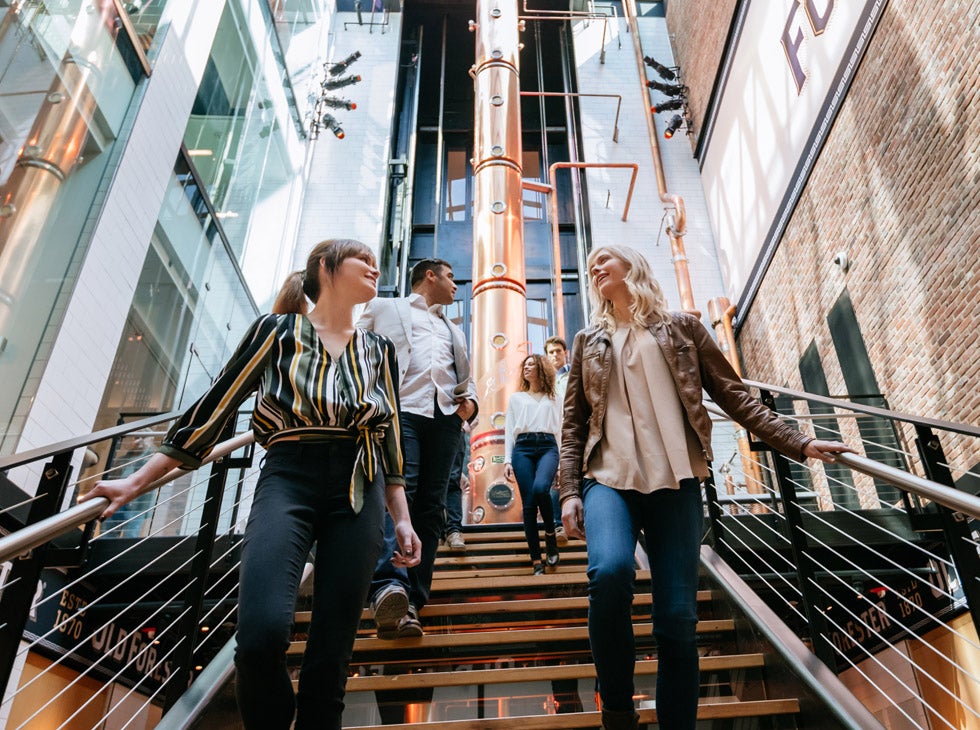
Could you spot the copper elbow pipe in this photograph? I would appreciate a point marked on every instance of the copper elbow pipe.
(555, 239)
(720, 312)
(675, 232)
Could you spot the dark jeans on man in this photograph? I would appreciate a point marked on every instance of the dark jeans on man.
(454, 491)
(672, 520)
(535, 461)
(302, 498)
(428, 452)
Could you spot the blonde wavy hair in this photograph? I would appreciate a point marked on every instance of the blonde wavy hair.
(649, 305)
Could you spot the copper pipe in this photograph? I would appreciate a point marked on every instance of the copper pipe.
(619, 103)
(58, 141)
(675, 232)
(720, 312)
(555, 240)
(544, 14)
(499, 287)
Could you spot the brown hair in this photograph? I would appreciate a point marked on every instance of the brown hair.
(556, 341)
(305, 283)
(546, 374)
(418, 271)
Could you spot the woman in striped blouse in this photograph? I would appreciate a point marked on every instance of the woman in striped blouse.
(327, 414)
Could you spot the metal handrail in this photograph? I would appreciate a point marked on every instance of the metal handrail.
(954, 499)
(43, 452)
(960, 428)
(43, 531)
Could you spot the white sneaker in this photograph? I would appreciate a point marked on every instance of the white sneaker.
(389, 606)
(454, 541)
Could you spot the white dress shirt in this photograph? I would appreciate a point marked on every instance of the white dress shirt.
(527, 413)
(431, 370)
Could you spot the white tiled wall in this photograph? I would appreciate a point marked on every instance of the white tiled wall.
(608, 188)
(345, 190)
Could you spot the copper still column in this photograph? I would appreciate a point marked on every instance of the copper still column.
(499, 290)
(720, 312)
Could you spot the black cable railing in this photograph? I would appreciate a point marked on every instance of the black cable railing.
(148, 599)
(882, 583)
(144, 600)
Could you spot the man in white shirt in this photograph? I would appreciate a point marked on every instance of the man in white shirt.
(437, 395)
(557, 351)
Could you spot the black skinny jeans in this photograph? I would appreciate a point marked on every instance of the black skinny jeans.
(302, 498)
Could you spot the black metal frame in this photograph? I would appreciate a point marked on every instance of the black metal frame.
(17, 596)
(954, 526)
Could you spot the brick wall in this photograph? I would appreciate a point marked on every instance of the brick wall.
(699, 30)
(897, 187)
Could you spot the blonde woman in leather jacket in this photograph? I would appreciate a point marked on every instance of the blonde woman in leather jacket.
(636, 441)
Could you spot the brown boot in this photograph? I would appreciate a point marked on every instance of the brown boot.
(619, 720)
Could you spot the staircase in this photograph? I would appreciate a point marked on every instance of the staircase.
(505, 649)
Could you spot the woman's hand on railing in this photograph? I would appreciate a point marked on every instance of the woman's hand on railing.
(826, 451)
(121, 491)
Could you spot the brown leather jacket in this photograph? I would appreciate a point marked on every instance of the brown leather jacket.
(695, 362)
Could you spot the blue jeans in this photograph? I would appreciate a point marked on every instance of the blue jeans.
(672, 521)
(301, 498)
(454, 492)
(428, 450)
(535, 461)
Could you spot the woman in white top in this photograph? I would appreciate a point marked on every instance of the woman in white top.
(531, 453)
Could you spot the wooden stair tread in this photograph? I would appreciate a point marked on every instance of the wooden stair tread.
(477, 536)
(569, 603)
(530, 674)
(502, 636)
(516, 571)
(574, 546)
(706, 711)
(461, 559)
(447, 585)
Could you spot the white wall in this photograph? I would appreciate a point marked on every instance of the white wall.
(645, 226)
(784, 70)
(345, 190)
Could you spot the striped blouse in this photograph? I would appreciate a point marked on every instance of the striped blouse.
(303, 391)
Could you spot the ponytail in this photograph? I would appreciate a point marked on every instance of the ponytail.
(305, 283)
(291, 298)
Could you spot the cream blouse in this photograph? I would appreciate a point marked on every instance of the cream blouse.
(647, 442)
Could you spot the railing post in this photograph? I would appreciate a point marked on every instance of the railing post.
(956, 527)
(18, 593)
(812, 600)
(198, 577)
(715, 512)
